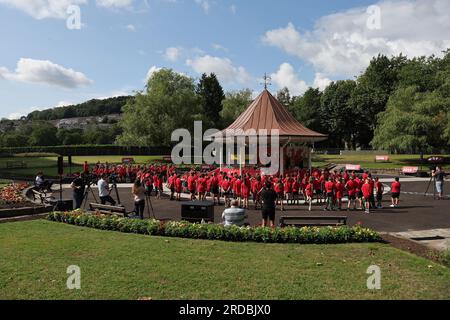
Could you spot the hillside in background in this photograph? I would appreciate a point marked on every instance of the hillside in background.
(91, 108)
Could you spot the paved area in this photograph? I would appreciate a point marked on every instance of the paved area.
(419, 216)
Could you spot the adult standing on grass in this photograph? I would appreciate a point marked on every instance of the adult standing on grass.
(138, 192)
(104, 191)
(396, 189)
(439, 176)
(268, 198)
(78, 186)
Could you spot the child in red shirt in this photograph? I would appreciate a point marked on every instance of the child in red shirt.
(367, 191)
(339, 192)
(395, 189)
(309, 192)
(380, 190)
(329, 189)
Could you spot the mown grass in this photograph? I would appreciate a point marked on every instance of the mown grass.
(35, 256)
(367, 161)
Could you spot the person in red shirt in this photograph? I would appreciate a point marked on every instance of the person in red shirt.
(359, 195)
(351, 191)
(178, 188)
(160, 187)
(318, 190)
(296, 187)
(288, 189)
(329, 189)
(309, 192)
(339, 192)
(171, 185)
(86, 169)
(245, 191)
(237, 189)
(226, 190)
(214, 188)
(192, 186)
(395, 189)
(367, 191)
(256, 190)
(279, 189)
(380, 190)
(201, 187)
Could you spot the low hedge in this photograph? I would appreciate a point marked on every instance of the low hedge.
(311, 235)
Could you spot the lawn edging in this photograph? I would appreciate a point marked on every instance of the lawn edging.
(306, 235)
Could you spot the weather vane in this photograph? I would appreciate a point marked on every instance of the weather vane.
(266, 81)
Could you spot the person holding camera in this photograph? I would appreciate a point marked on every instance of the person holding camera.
(439, 176)
(104, 191)
(78, 186)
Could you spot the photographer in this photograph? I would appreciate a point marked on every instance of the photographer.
(104, 191)
(78, 187)
(439, 176)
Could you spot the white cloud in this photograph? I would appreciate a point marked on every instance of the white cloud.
(45, 72)
(42, 9)
(204, 4)
(222, 67)
(115, 3)
(287, 77)
(57, 9)
(150, 72)
(219, 47)
(15, 115)
(341, 44)
(320, 81)
(130, 28)
(172, 54)
(233, 9)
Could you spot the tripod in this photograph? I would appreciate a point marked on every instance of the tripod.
(86, 195)
(149, 206)
(432, 181)
(114, 186)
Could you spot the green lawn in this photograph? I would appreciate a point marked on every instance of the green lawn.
(35, 256)
(50, 164)
(367, 161)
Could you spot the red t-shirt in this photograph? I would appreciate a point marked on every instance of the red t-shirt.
(309, 190)
(191, 183)
(396, 186)
(379, 187)
(366, 190)
(329, 186)
(226, 184)
(351, 187)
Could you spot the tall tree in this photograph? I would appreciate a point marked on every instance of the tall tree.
(372, 92)
(211, 97)
(307, 109)
(169, 103)
(284, 97)
(234, 104)
(337, 113)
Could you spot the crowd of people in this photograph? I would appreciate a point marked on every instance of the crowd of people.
(324, 187)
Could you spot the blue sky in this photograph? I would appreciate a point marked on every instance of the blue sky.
(299, 43)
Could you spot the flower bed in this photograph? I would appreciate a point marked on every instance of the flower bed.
(312, 235)
(11, 195)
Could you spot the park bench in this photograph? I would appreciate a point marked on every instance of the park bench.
(313, 221)
(42, 197)
(108, 210)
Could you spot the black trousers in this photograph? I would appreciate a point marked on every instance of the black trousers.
(139, 207)
(78, 200)
(108, 199)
